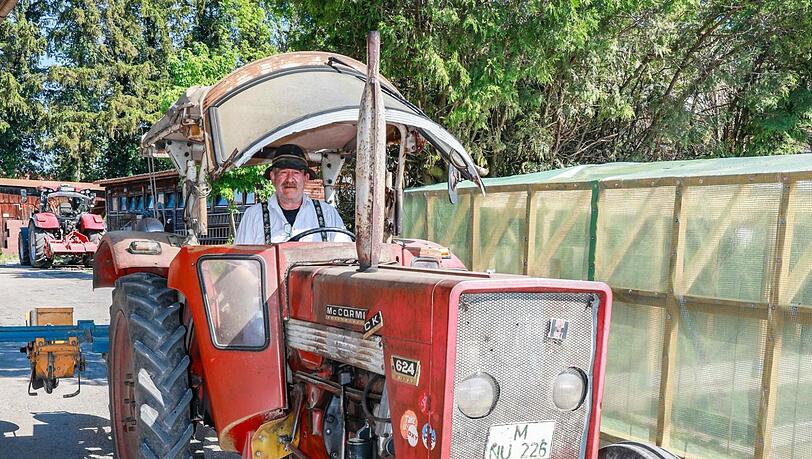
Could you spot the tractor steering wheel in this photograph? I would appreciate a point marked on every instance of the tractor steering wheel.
(328, 229)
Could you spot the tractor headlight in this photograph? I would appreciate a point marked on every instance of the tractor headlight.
(569, 389)
(426, 262)
(233, 290)
(477, 395)
(145, 248)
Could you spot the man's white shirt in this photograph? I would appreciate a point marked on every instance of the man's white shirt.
(252, 228)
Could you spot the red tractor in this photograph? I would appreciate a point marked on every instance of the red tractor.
(383, 348)
(63, 227)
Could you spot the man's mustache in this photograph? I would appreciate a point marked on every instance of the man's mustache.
(289, 185)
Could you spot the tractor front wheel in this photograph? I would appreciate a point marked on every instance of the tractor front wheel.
(634, 450)
(37, 238)
(94, 237)
(147, 371)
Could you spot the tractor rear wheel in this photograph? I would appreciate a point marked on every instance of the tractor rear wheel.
(37, 238)
(634, 450)
(22, 247)
(147, 371)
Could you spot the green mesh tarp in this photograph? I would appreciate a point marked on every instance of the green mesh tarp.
(710, 262)
(634, 379)
(562, 225)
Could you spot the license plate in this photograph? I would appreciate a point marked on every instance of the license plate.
(525, 440)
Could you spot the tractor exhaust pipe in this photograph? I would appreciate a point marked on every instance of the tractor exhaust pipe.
(370, 170)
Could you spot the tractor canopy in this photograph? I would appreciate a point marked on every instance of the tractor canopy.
(65, 201)
(307, 98)
(69, 194)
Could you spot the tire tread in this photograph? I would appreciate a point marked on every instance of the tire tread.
(161, 363)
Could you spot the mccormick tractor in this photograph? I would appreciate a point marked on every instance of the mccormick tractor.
(63, 227)
(383, 348)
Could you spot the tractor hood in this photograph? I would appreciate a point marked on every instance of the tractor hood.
(307, 98)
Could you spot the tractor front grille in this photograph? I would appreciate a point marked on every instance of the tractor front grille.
(505, 335)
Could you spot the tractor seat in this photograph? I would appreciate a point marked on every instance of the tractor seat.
(65, 209)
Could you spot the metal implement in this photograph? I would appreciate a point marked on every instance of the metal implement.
(86, 331)
(53, 346)
(51, 360)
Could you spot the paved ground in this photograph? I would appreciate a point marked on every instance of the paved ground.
(49, 426)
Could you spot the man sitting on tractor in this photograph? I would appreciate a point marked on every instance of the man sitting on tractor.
(289, 211)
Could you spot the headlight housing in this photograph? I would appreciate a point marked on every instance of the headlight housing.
(569, 389)
(476, 395)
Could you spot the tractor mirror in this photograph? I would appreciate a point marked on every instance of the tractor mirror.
(454, 178)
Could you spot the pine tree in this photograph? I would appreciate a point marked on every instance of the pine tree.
(105, 88)
(22, 49)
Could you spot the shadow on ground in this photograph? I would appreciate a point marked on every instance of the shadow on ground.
(90, 437)
(64, 272)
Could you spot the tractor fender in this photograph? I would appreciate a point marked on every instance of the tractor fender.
(45, 220)
(91, 222)
(118, 256)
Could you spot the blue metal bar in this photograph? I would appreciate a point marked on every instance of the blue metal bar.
(86, 331)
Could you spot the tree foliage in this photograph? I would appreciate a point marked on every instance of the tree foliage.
(534, 85)
(21, 84)
(526, 85)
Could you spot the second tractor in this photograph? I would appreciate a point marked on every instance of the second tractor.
(63, 228)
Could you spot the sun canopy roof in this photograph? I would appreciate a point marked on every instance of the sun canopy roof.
(69, 194)
(308, 98)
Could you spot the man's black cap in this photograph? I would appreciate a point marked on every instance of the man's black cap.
(289, 156)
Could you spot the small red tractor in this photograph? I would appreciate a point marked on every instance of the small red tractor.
(383, 348)
(62, 227)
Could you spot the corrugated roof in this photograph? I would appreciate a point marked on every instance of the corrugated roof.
(25, 183)
(137, 178)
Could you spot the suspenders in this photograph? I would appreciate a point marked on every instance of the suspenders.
(266, 220)
(320, 216)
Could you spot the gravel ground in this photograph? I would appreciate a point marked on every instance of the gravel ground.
(49, 426)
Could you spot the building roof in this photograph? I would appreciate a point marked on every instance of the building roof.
(138, 178)
(5, 8)
(25, 183)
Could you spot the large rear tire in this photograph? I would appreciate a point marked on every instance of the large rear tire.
(36, 247)
(147, 371)
(634, 450)
(22, 247)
